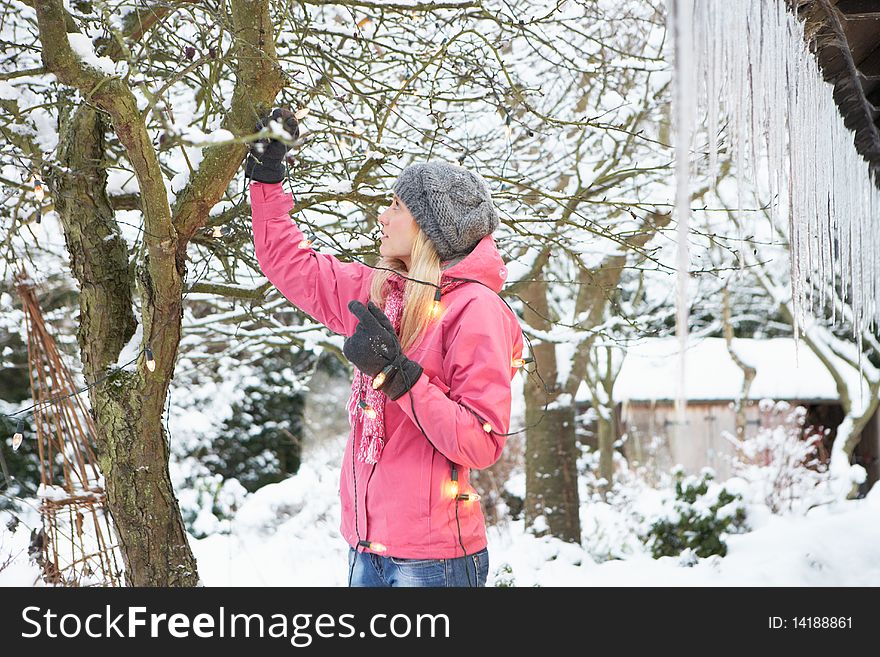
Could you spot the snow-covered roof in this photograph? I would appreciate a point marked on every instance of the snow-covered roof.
(649, 371)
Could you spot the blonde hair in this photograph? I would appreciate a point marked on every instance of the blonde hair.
(418, 298)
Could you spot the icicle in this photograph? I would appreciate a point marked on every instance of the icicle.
(681, 19)
(737, 137)
(714, 79)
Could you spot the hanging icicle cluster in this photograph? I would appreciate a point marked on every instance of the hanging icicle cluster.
(750, 65)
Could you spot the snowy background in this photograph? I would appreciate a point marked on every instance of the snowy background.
(287, 533)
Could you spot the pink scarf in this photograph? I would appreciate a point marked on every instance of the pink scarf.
(373, 432)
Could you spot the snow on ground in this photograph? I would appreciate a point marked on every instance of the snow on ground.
(286, 534)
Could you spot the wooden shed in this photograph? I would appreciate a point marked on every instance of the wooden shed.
(644, 393)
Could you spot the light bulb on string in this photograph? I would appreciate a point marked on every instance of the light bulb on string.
(520, 362)
(452, 489)
(151, 363)
(452, 484)
(301, 113)
(381, 376)
(307, 241)
(487, 427)
(373, 545)
(468, 497)
(19, 435)
(36, 225)
(435, 307)
(369, 411)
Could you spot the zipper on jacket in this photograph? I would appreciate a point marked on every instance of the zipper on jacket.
(366, 491)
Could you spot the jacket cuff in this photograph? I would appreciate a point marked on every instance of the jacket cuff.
(269, 199)
(415, 389)
(396, 386)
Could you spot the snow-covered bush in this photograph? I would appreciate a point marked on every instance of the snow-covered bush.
(7, 556)
(235, 431)
(702, 514)
(781, 463)
(504, 576)
(208, 502)
(611, 519)
(259, 441)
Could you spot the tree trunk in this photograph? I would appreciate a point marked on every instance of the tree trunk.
(749, 372)
(607, 436)
(131, 445)
(134, 460)
(128, 407)
(551, 448)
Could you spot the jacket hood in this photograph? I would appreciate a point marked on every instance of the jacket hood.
(483, 264)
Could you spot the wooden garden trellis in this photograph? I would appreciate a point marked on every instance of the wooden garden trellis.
(76, 544)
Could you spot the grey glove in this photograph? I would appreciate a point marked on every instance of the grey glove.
(268, 166)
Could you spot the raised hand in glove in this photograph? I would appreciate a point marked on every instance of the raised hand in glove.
(265, 158)
(375, 348)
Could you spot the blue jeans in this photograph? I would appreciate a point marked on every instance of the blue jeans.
(369, 569)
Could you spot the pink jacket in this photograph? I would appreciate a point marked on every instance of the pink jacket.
(404, 501)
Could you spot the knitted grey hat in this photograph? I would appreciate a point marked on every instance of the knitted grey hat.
(449, 203)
